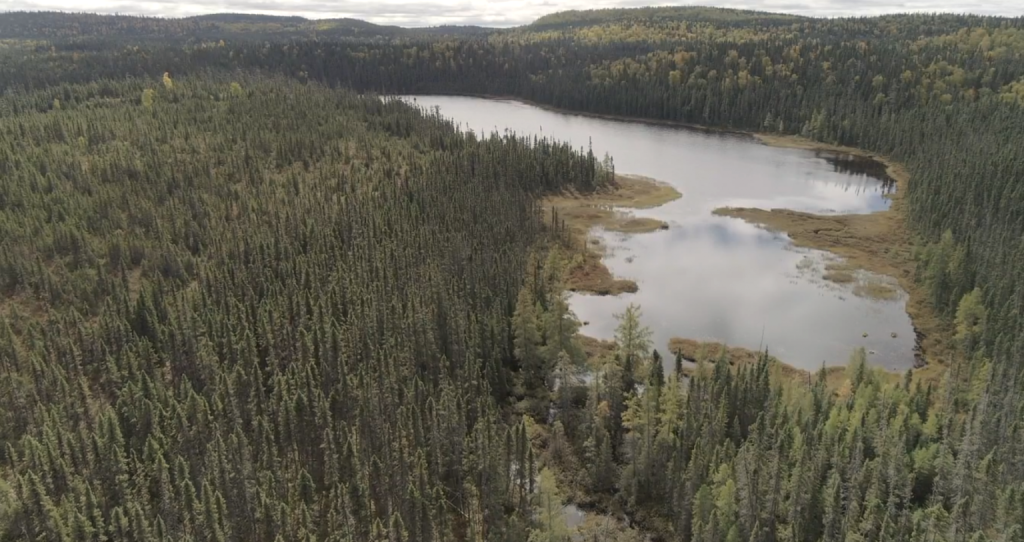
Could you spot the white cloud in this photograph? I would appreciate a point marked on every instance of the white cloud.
(491, 13)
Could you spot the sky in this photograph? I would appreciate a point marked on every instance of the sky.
(500, 13)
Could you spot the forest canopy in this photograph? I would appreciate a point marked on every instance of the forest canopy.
(243, 298)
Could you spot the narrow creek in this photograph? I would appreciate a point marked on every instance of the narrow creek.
(715, 278)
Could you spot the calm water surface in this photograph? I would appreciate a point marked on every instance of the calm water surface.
(719, 278)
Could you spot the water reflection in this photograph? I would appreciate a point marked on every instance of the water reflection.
(859, 165)
(718, 278)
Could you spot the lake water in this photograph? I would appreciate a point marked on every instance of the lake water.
(718, 278)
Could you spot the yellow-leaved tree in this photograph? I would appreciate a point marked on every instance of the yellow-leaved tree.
(549, 511)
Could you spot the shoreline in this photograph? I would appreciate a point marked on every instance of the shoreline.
(697, 351)
(894, 169)
(608, 209)
(771, 139)
(601, 116)
(892, 242)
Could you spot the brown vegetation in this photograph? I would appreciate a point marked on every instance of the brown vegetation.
(875, 289)
(867, 285)
(710, 351)
(895, 170)
(583, 212)
(877, 242)
(588, 274)
(839, 273)
(596, 349)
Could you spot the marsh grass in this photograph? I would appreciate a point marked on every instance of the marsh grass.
(607, 209)
(839, 273)
(878, 242)
(710, 351)
(876, 289)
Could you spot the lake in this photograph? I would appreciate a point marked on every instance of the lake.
(717, 278)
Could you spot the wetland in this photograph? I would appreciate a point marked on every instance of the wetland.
(735, 241)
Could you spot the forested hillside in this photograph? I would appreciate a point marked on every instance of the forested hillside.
(85, 28)
(262, 310)
(243, 303)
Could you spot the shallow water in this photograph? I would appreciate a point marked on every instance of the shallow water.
(574, 517)
(718, 278)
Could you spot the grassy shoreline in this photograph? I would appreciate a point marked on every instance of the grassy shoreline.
(708, 351)
(604, 209)
(879, 242)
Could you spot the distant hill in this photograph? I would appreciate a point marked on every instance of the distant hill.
(720, 16)
(453, 30)
(249, 18)
(910, 25)
(60, 27)
(56, 26)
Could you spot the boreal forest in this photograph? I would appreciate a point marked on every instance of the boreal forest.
(245, 296)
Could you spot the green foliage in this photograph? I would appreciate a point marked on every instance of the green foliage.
(747, 459)
(646, 14)
(549, 510)
(970, 319)
(527, 344)
(207, 30)
(9, 507)
(270, 318)
(607, 530)
(545, 345)
(633, 340)
(267, 310)
(731, 454)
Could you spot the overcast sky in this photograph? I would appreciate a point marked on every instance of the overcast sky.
(489, 13)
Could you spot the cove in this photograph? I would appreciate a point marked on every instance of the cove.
(716, 278)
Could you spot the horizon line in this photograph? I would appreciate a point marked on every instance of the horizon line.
(484, 25)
